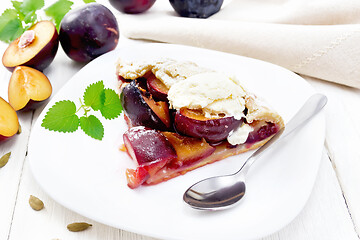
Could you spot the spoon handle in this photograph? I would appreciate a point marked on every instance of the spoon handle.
(310, 108)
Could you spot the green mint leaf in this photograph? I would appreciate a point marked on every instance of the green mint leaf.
(61, 117)
(93, 95)
(17, 7)
(28, 6)
(58, 10)
(112, 105)
(30, 17)
(10, 26)
(89, 1)
(92, 126)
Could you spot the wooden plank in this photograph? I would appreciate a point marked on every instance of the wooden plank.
(10, 174)
(51, 222)
(325, 215)
(343, 140)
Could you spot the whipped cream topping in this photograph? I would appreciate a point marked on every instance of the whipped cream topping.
(214, 92)
(240, 134)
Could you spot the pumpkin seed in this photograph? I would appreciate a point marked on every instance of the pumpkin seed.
(78, 226)
(36, 203)
(4, 159)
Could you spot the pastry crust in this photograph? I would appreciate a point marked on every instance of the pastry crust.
(259, 111)
(170, 71)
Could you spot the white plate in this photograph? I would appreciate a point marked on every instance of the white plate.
(88, 176)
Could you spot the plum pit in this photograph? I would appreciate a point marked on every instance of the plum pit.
(26, 38)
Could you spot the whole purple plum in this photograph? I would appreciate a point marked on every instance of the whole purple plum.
(196, 8)
(88, 32)
(132, 6)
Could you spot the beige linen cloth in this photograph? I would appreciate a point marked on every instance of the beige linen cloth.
(318, 38)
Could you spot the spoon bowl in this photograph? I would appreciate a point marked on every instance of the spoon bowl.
(216, 192)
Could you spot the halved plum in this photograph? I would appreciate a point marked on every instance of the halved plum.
(35, 48)
(9, 122)
(188, 149)
(143, 110)
(28, 88)
(193, 123)
(157, 88)
(151, 151)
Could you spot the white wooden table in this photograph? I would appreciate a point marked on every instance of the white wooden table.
(332, 212)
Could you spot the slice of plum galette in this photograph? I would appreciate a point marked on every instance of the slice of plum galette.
(182, 116)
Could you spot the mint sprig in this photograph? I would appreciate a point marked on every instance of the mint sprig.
(58, 10)
(23, 14)
(62, 116)
(16, 20)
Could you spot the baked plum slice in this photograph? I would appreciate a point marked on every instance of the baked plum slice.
(188, 149)
(150, 150)
(193, 123)
(157, 88)
(140, 82)
(123, 80)
(262, 132)
(142, 110)
(136, 177)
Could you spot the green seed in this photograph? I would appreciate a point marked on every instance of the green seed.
(78, 226)
(36, 203)
(19, 130)
(4, 159)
